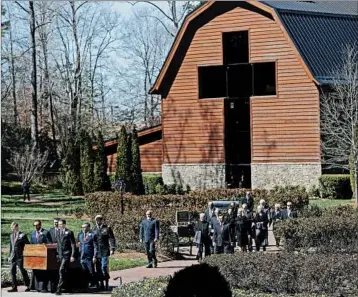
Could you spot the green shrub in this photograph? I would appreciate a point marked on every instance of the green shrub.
(6, 277)
(136, 171)
(335, 186)
(325, 230)
(150, 183)
(152, 287)
(289, 273)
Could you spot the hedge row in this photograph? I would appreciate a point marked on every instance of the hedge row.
(335, 186)
(255, 275)
(325, 230)
(126, 227)
(289, 273)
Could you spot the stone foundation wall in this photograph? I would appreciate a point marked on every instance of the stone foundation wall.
(269, 175)
(197, 176)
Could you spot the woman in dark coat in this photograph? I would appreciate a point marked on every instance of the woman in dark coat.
(241, 226)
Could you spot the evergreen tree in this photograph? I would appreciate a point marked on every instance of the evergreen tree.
(71, 169)
(101, 180)
(137, 185)
(123, 165)
(87, 161)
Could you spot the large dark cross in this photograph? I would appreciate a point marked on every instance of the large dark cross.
(237, 78)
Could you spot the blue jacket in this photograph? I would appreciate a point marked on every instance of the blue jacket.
(44, 237)
(149, 230)
(89, 248)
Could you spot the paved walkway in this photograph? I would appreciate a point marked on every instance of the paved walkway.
(135, 274)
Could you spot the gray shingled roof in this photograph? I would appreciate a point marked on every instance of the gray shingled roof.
(320, 32)
(329, 7)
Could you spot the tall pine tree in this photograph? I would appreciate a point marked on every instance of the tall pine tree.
(71, 169)
(101, 180)
(123, 151)
(137, 185)
(87, 160)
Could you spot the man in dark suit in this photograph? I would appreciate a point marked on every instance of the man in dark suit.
(88, 251)
(39, 278)
(276, 216)
(40, 235)
(54, 231)
(248, 200)
(18, 240)
(106, 247)
(149, 234)
(289, 213)
(66, 248)
(222, 238)
(204, 241)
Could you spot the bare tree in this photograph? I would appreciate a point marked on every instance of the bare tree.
(339, 117)
(28, 163)
(172, 15)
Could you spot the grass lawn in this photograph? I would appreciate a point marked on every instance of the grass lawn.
(331, 203)
(125, 263)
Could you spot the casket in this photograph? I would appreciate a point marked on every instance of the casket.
(41, 257)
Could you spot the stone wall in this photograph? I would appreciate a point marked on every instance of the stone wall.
(269, 175)
(196, 176)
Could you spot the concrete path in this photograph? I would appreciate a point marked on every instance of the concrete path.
(137, 273)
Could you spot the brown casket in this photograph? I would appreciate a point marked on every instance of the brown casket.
(41, 257)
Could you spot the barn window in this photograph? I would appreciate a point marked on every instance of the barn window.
(264, 77)
(236, 47)
(212, 81)
(239, 81)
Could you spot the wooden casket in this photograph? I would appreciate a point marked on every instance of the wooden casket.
(41, 257)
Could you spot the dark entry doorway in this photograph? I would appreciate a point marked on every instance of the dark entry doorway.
(238, 142)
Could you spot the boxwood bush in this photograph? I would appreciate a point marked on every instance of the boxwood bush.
(150, 183)
(329, 230)
(335, 186)
(290, 273)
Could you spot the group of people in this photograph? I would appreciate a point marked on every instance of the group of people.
(216, 232)
(95, 246)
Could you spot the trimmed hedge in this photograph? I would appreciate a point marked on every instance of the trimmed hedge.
(289, 273)
(255, 275)
(335, 186)
(126, 226)
(6, 277)
(329, 230)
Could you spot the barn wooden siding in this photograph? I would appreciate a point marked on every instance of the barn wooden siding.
(285, 127)
(150, 155)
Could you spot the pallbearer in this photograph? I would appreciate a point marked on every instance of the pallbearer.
(55, 231)
(18, 240)
(106, 247)
(88, 251)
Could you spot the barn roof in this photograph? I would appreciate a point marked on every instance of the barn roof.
(319, 30)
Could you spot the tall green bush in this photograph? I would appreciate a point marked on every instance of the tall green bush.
(87, 162)
(123, 157)
(335, 186)
(101, 180)
(137, 179)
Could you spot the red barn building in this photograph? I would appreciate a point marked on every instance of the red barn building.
(240, 92)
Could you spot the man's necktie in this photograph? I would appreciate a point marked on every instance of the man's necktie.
(15, 238)
(85, 238)
(37, 236)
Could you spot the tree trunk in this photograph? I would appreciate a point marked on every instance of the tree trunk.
(34, 124)
(13, 77)
(76, 113)
(356, 183)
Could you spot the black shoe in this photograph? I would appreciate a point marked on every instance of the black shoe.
(149, 266)
(155, 263)
(27, 289)
(43, 291)
(107, 286)
(101, 287)
(58, 293)
(12, 290)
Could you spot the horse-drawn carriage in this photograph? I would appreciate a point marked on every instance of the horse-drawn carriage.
(182, 233)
